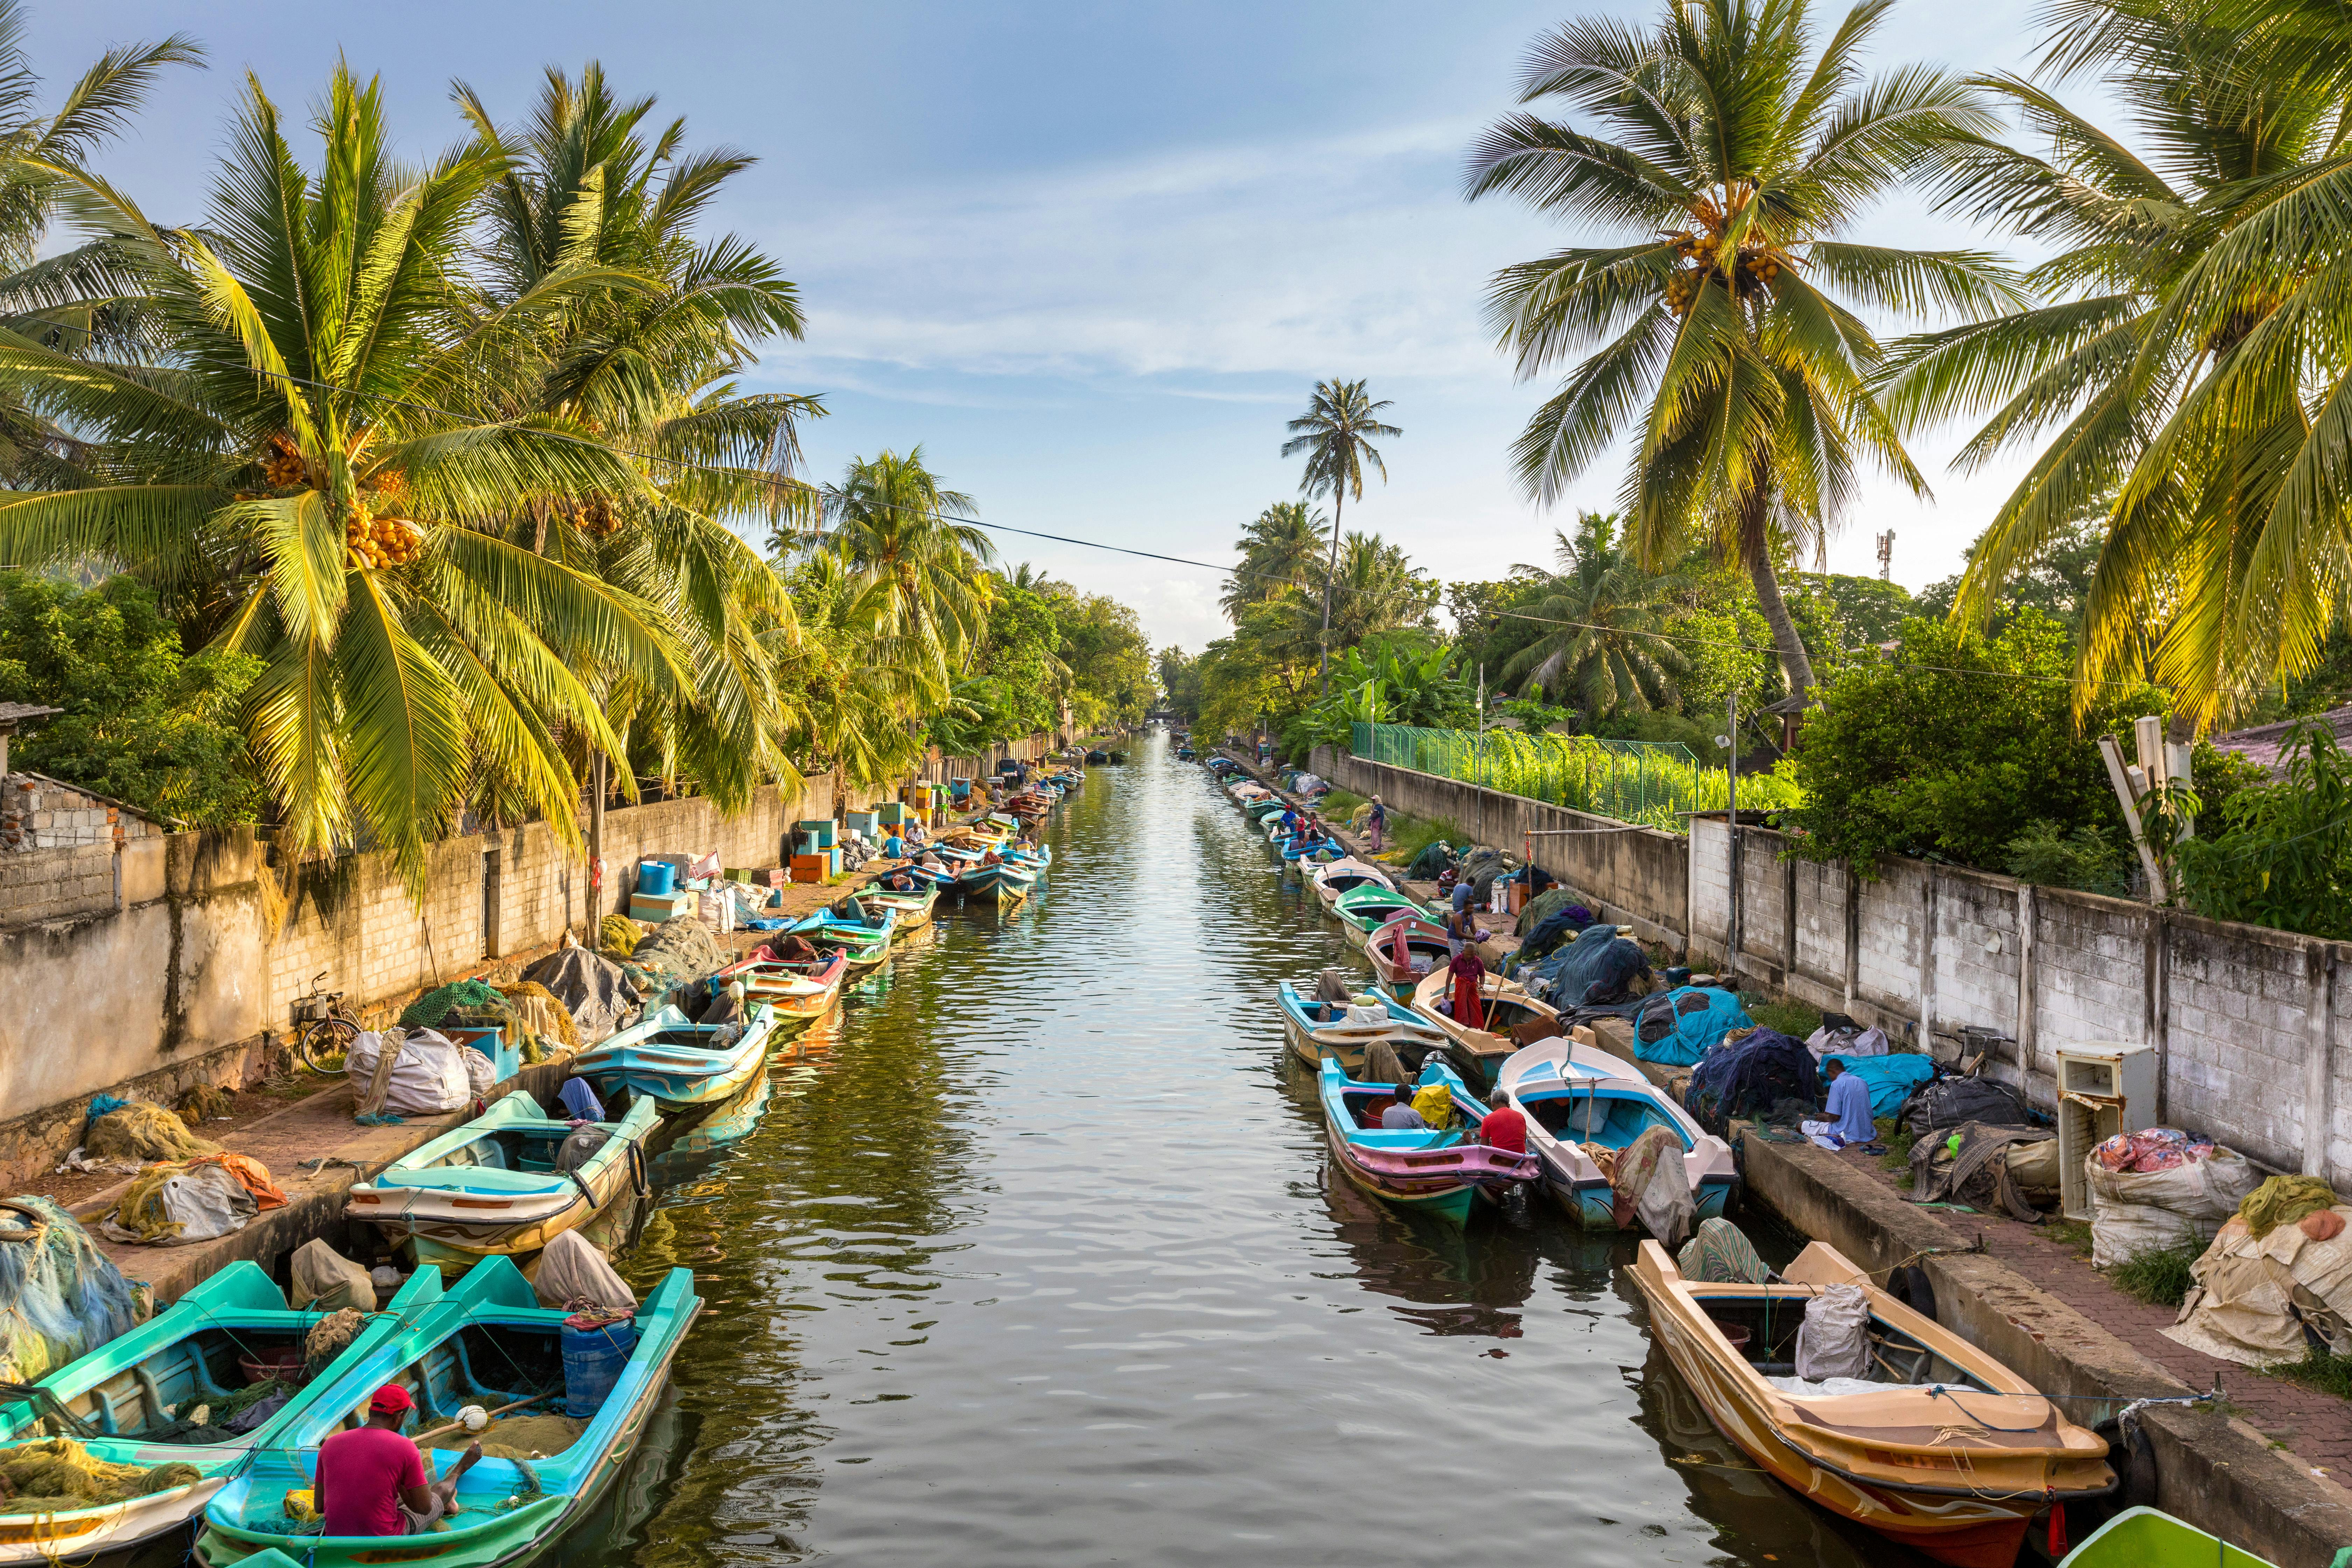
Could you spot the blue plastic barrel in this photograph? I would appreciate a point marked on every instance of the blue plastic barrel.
(656, 878)
(593, 1360)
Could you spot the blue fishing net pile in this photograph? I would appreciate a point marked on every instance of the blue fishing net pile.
(61, 1297)
(1749, 1076)
(1596, 967)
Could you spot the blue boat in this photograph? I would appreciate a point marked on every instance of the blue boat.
(865, 941)
(1577, 1097)
(489, 1342)
(1415, 1170)
(118, 1403)
(1316, 1029)
(681, 1064)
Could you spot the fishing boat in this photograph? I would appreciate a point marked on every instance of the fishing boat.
(486, 1342)
(2151, 1538)
(797, 991)
(1345, 876)
(1418, 1171)
(1405, 952)
(1362, 910)
(914, 909)
(681, 1064)
(1940, 1447)
(1343, 1031)
(1579, 1098)
(864, 940)
(230, 1336)
(493, 1187)
(1008, 879)
(1512, 1018)
(1316, 850)
(1096, 757)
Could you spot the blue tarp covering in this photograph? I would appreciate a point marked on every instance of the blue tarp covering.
(1891, 1077)
(1593, 968)
(1676, 1028)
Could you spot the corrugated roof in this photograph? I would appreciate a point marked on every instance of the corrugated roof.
(2260, 743)
(12, 712)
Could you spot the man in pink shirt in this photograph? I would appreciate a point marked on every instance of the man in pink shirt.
(371, 1480)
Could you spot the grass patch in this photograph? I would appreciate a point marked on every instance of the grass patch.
(2321, 1370)
(2159, 1278)
(1897, 1158)
(1409, 835)
(2075, 1235)
(1338, 806)
(1795, 1019)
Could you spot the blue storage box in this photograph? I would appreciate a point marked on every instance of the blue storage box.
(656, 878)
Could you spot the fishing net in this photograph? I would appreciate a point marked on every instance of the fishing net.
(52, 1475)
(142, 1132)
(61, 1297)
(475, 996)
(181, 1200)
(205, 1102)
(1432, 862)
(685, 947)
(618, 935)
(2285, 1200)
(518, 1437)
(539, 1015)
(329, 1338)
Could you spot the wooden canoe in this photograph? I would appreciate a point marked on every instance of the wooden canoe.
(1480, 1053)
(1312, 1036)
(1576, 1095)
(490, 1187)
(1420, 1172)
(1951, 1454)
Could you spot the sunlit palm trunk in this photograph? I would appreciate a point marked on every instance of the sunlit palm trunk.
(1756, 546)
(1330, 569)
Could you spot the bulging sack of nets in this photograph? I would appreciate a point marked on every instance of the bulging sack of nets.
(325, 1280)
(685, 946)
(171, 1204)
(474, 996)
(416, 1073)
(591, 988)
(572, 1273)
(55, 1475)
(541, 1022)
(143, 1132)
(60, 1296)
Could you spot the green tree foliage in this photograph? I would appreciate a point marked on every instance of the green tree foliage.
(1398, 678)
(1601, 639)
(1109, 660)
(1955, 748)
(1731, 164)
(1336, 433)
(1281, 550)
(143, 721)
(1180, 681)
(2279, 855)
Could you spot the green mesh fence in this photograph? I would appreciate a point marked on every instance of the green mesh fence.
(1649, 781)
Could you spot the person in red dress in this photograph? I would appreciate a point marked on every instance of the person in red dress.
(1469, 1007)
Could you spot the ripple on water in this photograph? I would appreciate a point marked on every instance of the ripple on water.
(1035, 1260)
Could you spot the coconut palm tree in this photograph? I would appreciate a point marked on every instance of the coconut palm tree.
(1336, 434)
(1605, 649)
(921, 588)
(313, 458)
(1277, 550)
(2190, 311)
(1734, 161)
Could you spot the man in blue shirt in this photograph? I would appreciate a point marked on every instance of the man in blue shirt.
(1849, 1105)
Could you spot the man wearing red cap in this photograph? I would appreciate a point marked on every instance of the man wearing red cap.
(371, 1480)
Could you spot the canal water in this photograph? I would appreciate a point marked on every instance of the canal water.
(1034, 1259)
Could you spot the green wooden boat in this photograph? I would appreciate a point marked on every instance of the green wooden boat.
(489, 1342)
(1365, 909)
(2150, 1538)
(914, 909)
(118, 1403)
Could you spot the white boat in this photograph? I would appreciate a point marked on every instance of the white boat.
(1347, 875)
(1315, 1030)
(1576, 1096)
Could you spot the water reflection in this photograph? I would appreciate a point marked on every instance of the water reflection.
(1033, 1258)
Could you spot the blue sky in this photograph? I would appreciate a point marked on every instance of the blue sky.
(1091, 257)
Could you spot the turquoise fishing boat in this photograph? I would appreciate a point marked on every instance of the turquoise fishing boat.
(488, 1343)
(863, 936)
(681, 1064)
(500, 1184)
(213, 1349)
(1362, 910)
(1415, 1170)
(914, 909)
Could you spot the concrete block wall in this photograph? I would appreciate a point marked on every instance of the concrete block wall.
(57, 883)
(1821, 968)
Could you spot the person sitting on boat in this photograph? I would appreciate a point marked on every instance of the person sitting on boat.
(898, 882)
(1400, 1117)
(371, 1480)
(1505, 1126)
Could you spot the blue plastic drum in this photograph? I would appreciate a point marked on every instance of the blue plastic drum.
(592, 1361)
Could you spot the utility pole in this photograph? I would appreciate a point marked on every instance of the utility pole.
(1887, 556)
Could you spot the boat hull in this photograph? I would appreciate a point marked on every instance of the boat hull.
(1593, 1205)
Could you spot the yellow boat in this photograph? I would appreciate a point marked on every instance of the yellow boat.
(1940, 1447)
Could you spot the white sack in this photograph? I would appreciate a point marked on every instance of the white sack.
(428, 1072)
(206, 1202)
(2134, 1212)
(1835, 1339)
(482, 1073)
(2252, 1299)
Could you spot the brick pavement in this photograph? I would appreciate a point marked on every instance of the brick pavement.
(2316, 1427)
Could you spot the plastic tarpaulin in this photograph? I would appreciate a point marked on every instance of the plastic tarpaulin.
(572, 1273)
(1598, 966)
(2134, 1212)
(2255, 1296)
(1892, 1078)
(1676, 1028)
(325, 1280)
(592, 988)
(1835, 1339)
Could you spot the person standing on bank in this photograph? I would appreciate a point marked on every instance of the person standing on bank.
(1378, 824)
